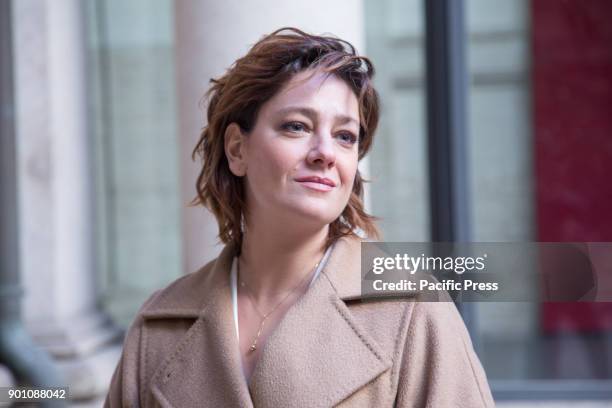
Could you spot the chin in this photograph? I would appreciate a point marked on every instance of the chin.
(315, 214)
(321, 218)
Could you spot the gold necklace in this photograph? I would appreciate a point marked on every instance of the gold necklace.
(265, 316)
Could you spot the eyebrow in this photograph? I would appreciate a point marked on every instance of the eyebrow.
(312, 114)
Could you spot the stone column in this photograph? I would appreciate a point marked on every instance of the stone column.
(210, 35)
(55, 181)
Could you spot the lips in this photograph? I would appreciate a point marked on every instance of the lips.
(315, 179)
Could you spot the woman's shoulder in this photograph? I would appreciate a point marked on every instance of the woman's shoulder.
(429, 316)
(184, 296)
(345, 273)
(160, 324)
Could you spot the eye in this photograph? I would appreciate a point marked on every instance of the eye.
(295, 127)
(347, 138)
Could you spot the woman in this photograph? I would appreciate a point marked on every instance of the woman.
(276, 320)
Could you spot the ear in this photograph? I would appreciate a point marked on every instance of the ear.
(235, 149)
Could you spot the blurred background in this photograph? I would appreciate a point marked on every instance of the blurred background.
(496, 126)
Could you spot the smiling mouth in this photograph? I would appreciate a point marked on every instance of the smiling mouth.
(316, 179)
(317, 183)
(316, 186)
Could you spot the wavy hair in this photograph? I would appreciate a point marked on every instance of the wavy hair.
(237, 96)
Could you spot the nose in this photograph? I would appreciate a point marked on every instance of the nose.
(322, 152)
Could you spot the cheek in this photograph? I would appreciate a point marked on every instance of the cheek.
(349, 170)
(274, 161)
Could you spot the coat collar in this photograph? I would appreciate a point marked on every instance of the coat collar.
(316, 341)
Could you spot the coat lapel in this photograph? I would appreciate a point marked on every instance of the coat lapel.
(318, 352)
(204, 369)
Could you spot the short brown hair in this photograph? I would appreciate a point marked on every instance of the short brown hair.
(237, 97)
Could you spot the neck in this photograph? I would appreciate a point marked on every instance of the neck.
(274, 260)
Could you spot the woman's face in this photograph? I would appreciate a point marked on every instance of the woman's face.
(301, 157)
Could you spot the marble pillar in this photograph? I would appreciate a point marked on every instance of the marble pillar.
(55, 183)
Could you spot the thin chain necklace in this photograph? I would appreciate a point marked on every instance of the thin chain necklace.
(265, 316)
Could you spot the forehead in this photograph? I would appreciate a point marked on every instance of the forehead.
(317, 90)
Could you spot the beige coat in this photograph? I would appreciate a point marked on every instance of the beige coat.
(330, 349)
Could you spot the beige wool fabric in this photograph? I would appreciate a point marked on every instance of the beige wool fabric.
(332, 348)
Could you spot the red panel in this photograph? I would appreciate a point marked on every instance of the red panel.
(572, 91)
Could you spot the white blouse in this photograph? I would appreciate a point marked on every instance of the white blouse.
(234, 284)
